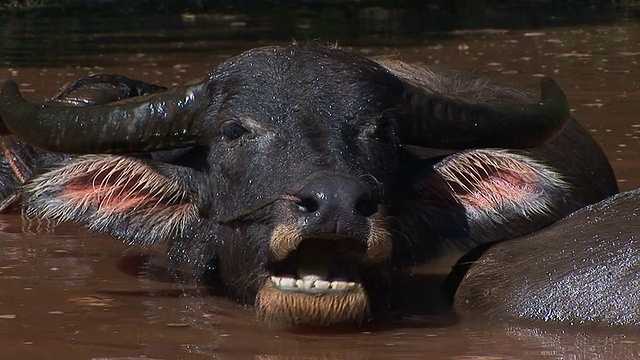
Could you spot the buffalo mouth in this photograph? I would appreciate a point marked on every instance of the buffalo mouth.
(320, 266)
(319, 281)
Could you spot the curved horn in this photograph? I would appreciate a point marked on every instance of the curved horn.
(151, 122)
(98, 89)
(101, 89)
(448, 123)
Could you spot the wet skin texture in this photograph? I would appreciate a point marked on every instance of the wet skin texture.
(302, 177)
(582, 269)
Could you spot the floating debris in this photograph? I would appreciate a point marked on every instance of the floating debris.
(177, 325)
(94, 301)
(574, 55)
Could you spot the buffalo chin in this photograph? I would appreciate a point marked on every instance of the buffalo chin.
(307, 308)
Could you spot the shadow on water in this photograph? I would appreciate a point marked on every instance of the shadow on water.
(60, 35)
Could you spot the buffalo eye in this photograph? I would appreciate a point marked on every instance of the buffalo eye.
(384, 131)
(232, 130)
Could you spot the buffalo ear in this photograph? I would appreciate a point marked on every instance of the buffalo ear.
(138, 201)
(489, 195)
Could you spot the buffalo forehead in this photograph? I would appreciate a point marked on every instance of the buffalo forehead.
(296, 82)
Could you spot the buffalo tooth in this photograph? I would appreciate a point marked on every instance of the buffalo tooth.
(311, 277)
(287, 283)
(322, 285)
(317, 272)
(299, 283)
(351, 284)
(307, 284)
(339, 285)
(276, 280)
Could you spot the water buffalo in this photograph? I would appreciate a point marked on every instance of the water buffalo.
(582, 269)
(306, 175)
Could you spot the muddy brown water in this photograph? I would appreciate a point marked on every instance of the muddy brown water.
(69, 294)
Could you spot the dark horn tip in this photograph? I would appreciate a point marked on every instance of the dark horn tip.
(10, 86)
(549, 90)
(551, 93)
(3, 128)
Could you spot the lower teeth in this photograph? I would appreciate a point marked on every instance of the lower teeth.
(309, 283)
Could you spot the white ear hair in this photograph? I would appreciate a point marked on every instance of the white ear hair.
(117, 195)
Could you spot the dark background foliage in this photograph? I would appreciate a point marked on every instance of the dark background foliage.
(349, 9)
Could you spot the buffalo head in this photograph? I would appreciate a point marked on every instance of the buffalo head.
(296, 188)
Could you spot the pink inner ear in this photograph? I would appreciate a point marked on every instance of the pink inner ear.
(116, 185)
(120, 195)
(490, 181)
(106, 197)
(495, 188)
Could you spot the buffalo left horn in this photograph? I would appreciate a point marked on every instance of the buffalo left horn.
(442, 122)
(166, 120)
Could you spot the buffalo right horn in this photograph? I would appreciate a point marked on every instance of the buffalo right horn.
(158, 121)
(438, 121)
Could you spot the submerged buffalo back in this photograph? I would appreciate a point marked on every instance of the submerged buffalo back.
(583, 164)
(583, 269)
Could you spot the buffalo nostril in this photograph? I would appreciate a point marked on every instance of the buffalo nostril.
(366, 207)
(308, 205)
(334, 204)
